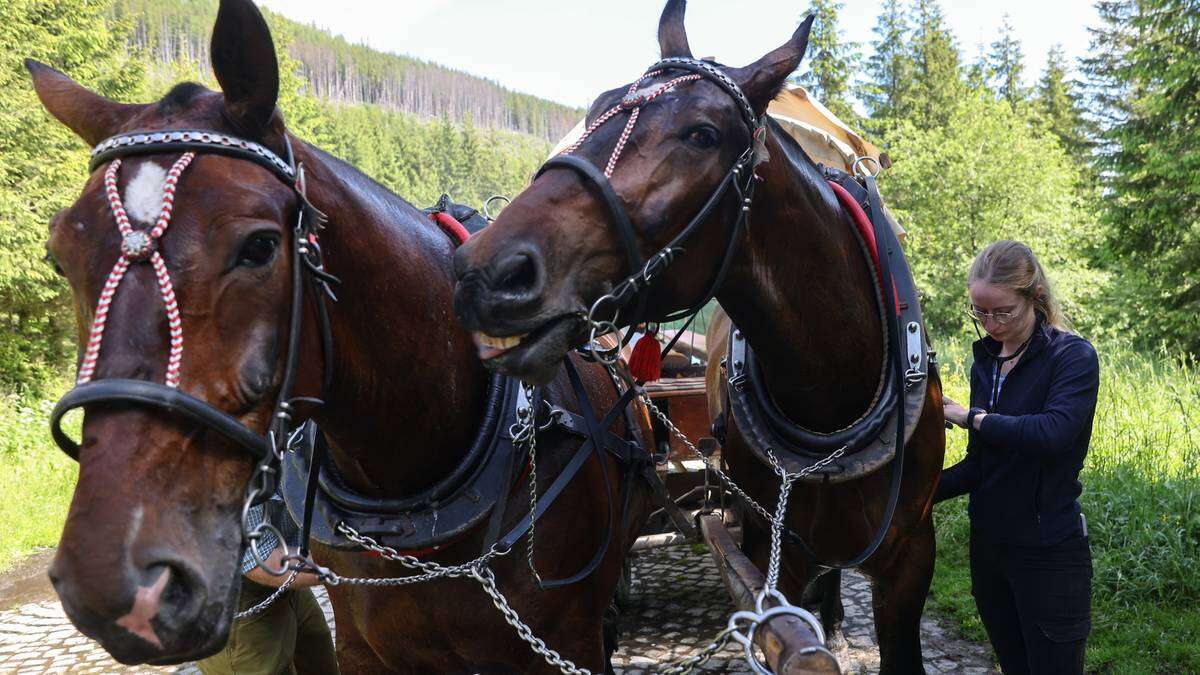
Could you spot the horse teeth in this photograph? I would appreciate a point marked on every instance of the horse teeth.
(500, 342)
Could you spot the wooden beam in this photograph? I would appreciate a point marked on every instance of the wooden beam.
(788, 643)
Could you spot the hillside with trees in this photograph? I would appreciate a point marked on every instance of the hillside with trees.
(136, 50)
(337, 70)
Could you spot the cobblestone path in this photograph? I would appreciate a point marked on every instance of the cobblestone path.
(679, 604)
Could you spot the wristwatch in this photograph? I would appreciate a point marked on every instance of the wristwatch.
(971, 414)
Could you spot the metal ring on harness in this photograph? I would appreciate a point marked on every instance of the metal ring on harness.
(606, 356)
(487, 212)
(259, 559)
(860, 170)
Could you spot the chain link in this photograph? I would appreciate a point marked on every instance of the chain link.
(527, 435)
(694, 661)
(762, 614)
(487, 578)
(785, 489)
(269, 599)
(431, 570)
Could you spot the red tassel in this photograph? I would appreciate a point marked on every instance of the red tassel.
(646, 361)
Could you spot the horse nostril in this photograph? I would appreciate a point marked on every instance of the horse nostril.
(517, 275)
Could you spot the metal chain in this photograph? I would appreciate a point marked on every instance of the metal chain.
(785, 489)
(694, 661)
(752, 619)
(670, 426)
(431, 570)
(270, 598)
(526, 434)
(487, 578)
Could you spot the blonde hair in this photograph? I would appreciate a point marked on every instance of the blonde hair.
(1012, 265)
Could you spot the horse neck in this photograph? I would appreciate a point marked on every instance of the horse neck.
(801, 294)
(407, 391)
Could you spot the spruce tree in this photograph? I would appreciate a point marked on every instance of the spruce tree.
(936, 81)
(44, 167)
(1145, 73)
(890, 68)
(1058, 105)
(1006, 65)
(831, 62)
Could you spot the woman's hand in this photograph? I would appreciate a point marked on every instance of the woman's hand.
(954, 413)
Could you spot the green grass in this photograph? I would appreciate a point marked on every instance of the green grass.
(36, 479)
(1142, 500)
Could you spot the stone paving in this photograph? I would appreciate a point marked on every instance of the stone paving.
(678, 605)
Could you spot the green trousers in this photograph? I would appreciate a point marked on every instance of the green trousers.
(290, 636)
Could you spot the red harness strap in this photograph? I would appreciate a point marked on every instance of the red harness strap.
(863, 223)
(450, 226)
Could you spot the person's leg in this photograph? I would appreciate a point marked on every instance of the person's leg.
(1054, 599)
(997, 606)
(314, 646)
(258, 645)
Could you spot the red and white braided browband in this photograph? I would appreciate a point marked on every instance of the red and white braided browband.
(139, 246)
(630, 102)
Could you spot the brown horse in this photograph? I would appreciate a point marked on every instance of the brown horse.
(148, 560)
(796, 286)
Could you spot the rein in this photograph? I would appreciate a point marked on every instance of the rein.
(138, 246)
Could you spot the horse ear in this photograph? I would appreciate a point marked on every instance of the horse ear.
(91, 116)
(243, 58)
(672, 38)
(763, 79)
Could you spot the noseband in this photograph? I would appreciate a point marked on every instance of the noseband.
(606, 312)
(139, 246)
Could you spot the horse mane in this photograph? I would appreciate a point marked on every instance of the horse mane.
(180, 96)
(804, 168)
(392, 209)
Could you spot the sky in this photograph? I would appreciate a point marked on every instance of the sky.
(571, 50)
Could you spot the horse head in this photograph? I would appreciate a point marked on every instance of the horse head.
(677, 150)
(148, 560)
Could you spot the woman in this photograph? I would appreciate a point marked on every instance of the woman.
(1033, 397)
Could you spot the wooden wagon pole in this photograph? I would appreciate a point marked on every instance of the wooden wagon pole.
(789, 644)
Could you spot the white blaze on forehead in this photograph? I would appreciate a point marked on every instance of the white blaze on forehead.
(646, 90)
(144, 193)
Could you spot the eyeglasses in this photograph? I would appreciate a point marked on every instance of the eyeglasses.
(1000, 318)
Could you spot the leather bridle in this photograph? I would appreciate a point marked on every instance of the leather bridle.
(606, 312)
(307, 271)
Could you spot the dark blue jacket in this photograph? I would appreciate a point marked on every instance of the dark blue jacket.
(1022, 466)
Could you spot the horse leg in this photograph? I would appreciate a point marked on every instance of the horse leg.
(611, 629)
(824, 593)
(898, 594)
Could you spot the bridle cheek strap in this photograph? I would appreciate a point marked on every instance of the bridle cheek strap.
(139, 246)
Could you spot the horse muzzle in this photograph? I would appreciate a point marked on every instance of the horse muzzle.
(163, 612)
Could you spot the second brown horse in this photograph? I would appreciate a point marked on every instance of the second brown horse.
(797, 288)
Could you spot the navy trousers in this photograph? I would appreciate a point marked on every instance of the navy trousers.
(1035, 602)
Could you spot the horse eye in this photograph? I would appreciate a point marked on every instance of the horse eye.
(704, 137)
(258, 250)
